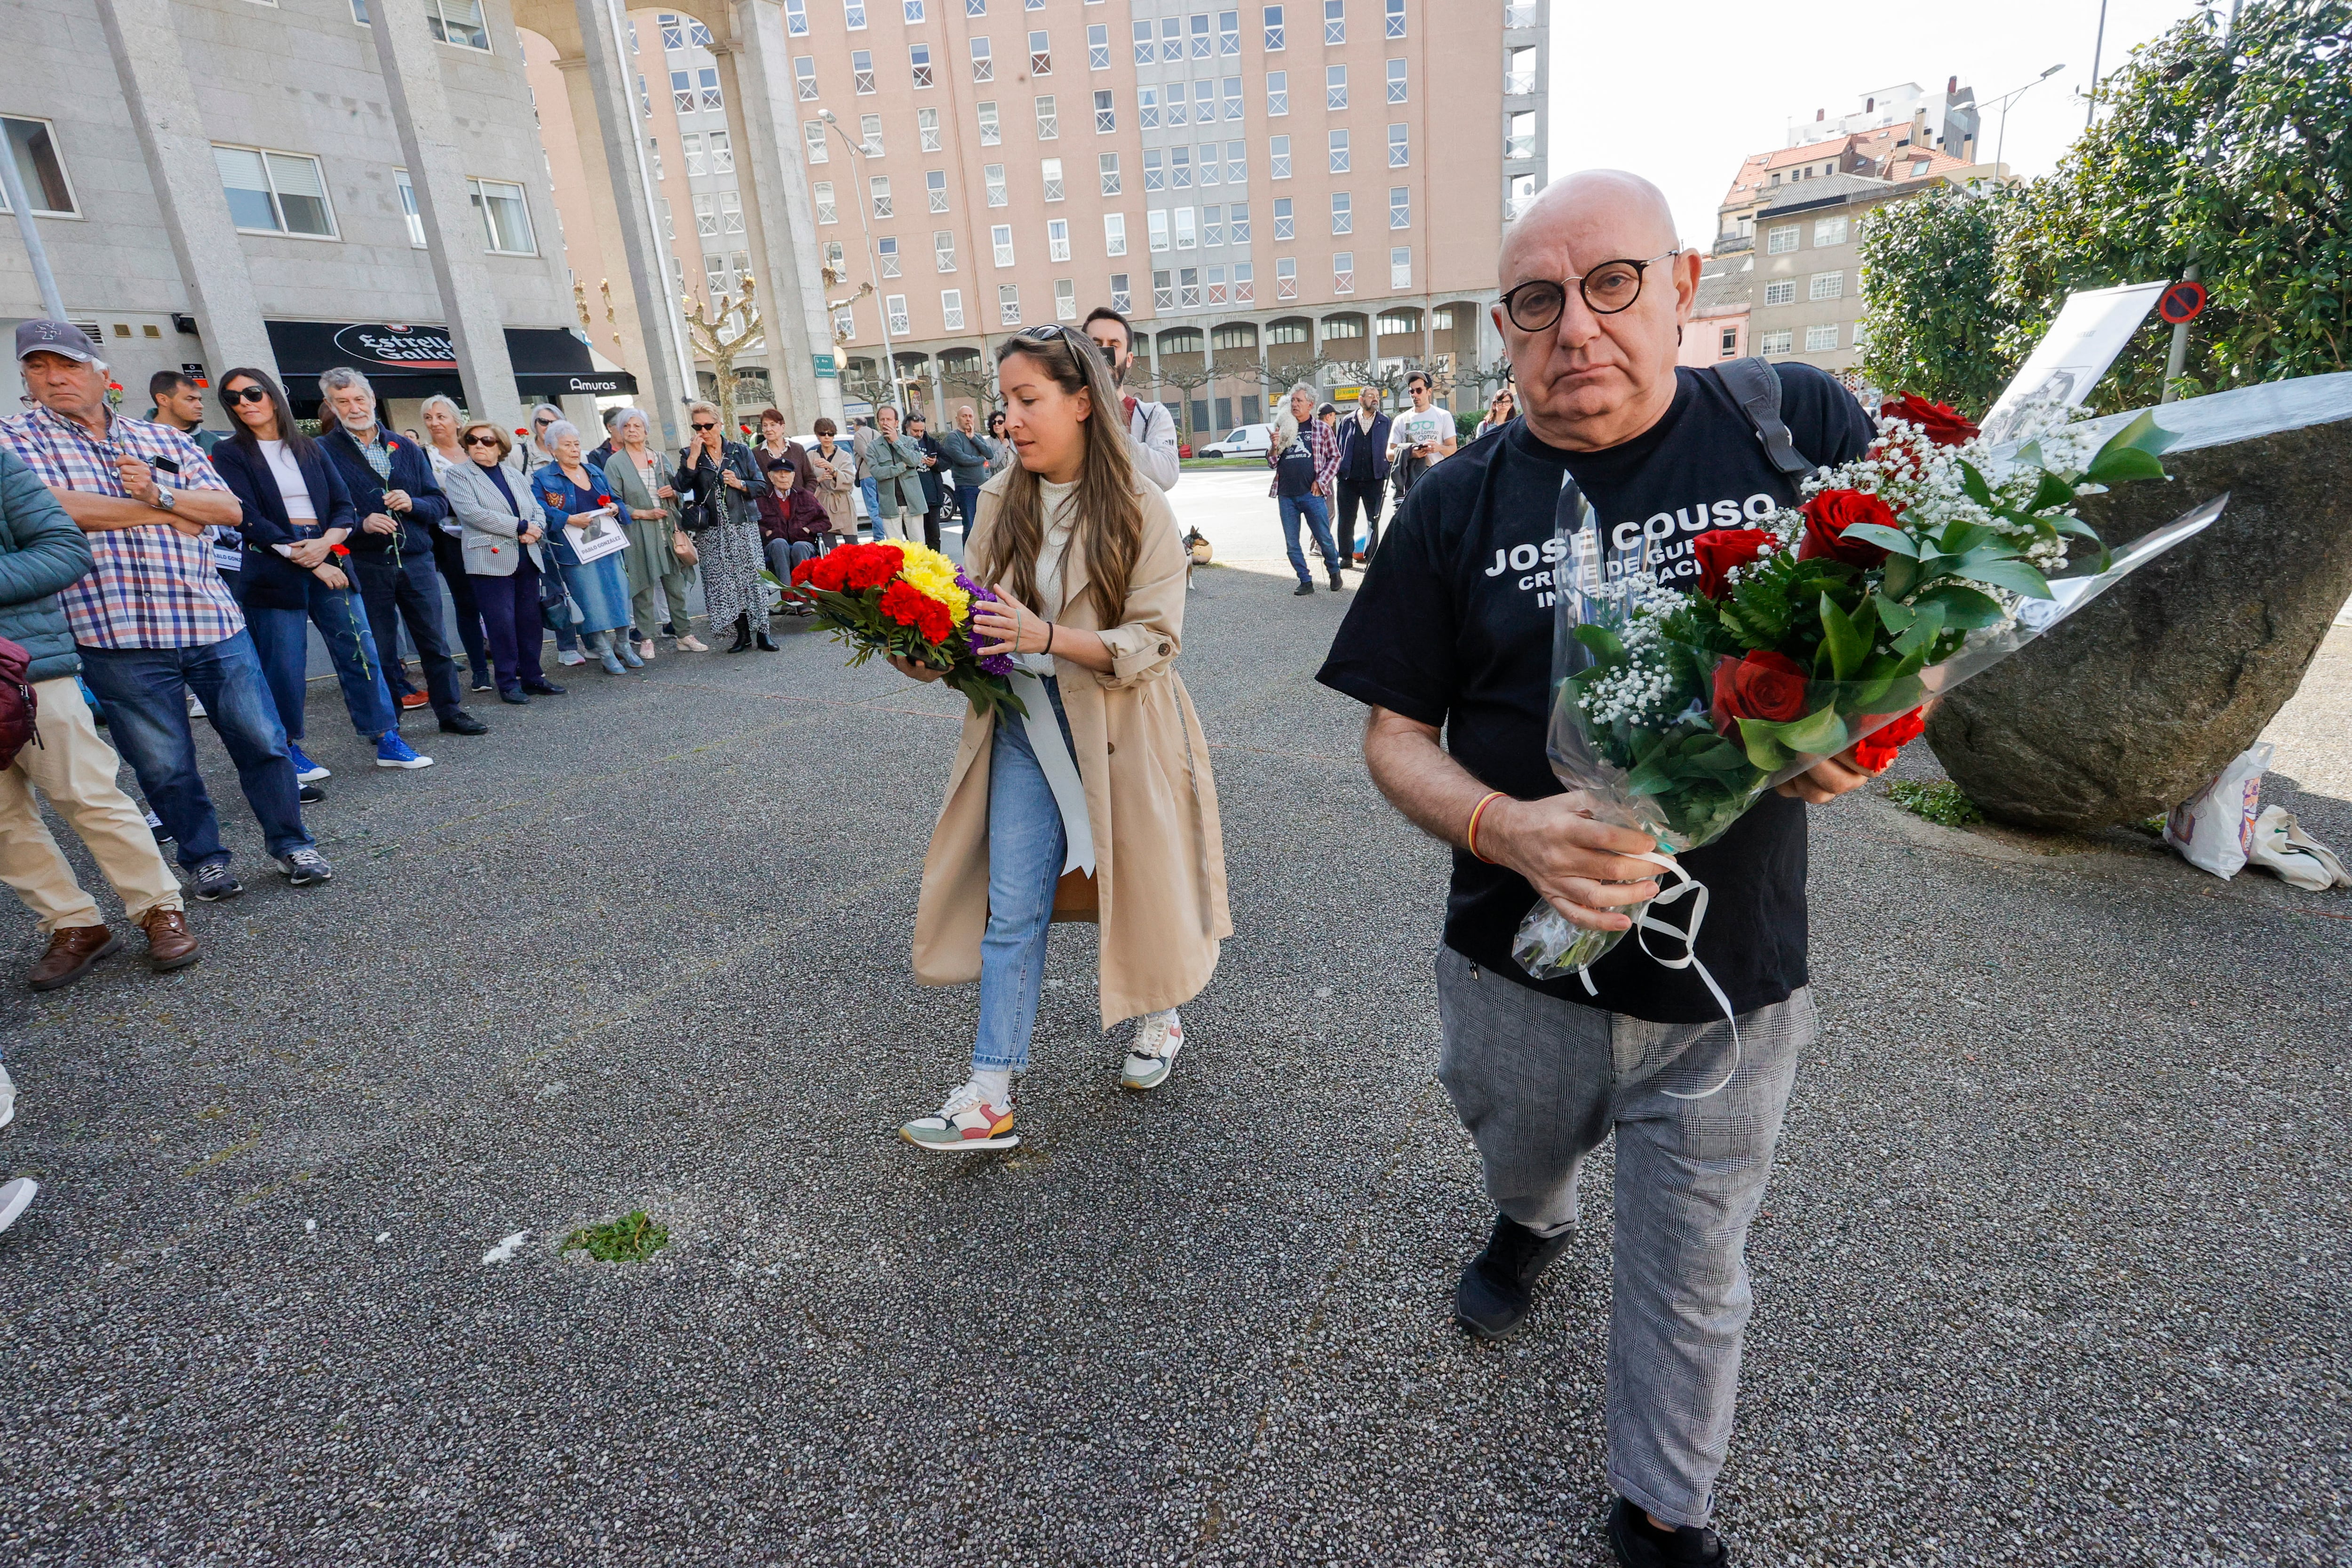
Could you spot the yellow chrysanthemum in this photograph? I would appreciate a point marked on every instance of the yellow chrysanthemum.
(934, 575)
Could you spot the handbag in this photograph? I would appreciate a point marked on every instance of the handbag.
(698, 510)
(19, 706)
(682, 547)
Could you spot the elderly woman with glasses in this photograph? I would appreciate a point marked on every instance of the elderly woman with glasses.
(506, 553)
(580, 511)
(661, 556)
(440, 417)
(719, 484)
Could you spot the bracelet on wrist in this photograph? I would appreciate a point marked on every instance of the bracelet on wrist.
(1476, 813)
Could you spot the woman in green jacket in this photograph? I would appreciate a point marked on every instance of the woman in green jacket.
(645, 483)
(895, 463)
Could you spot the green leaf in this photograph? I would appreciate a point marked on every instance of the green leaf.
(1846, 644)
(1762, 742)
(1894, 615)
(1606, 649)
(1892, 540)
(1973, 483)
(2017, 576)
(1959, 538)
(1924, 630)
(1963, 607)
(2142, 434)
(1649, 778)
(2115, 468)
(2052, 491)
(1902, 573)
(1818, 734)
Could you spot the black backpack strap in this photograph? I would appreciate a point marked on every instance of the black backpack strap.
(1757, 386)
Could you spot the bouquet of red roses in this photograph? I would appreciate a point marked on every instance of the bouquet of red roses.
(906, 600)
(1690, 677)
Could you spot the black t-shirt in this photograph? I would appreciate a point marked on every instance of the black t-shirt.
(1453, 627)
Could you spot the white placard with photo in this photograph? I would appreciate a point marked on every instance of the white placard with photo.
(2091, 330)
(596, 541)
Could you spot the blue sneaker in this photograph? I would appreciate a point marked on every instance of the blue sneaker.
(391, 751)
(305, 770)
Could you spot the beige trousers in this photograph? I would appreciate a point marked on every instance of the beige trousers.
(74, 766)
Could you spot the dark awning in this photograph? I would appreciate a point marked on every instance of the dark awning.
(403, 359)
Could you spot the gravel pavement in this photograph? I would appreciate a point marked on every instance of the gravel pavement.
(2053, 1269)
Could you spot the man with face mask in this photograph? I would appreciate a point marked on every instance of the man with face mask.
(1149, 428)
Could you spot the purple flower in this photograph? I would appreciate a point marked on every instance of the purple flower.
(996, 664)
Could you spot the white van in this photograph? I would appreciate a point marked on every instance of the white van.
(1241, 441)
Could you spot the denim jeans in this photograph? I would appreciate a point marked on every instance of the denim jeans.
(1318, 518)
(146, 694)
(967, 506)
(871, 490)
(281, 641)
(1540, 1082)
(783, 555)
(408, 588)
(1025, 846)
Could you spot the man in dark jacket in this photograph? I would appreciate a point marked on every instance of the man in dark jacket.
(41, 551)
(1363, 475)
(391, 484)
(935, 495)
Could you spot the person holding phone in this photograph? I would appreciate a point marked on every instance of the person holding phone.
(1420, 435)
(577, 503)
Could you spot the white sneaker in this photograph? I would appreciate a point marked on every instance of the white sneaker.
(1150, 1058)
(966, 1121)
(2281, 845)
(7, 1098)
(571, 656)
(15, 1198)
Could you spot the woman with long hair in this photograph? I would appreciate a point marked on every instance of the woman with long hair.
(572, 493)
(1501, 409)
(1105, 785)
(297, 515)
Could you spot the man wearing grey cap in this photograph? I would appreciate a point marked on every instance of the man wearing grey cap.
(151, 621)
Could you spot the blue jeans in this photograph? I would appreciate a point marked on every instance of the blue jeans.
(1025, 846)
(1318, 518)
(871, 490)
(280, 639)
(145, 691)
(408, 588)
(968, 506)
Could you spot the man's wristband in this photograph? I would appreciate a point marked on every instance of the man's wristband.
(1476, 813)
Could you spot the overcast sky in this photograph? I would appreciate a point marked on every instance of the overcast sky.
(1681, 93)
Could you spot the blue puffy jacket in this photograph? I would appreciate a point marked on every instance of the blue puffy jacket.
(42, 551)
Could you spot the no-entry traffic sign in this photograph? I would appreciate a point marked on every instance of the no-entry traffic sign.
(2183, 303)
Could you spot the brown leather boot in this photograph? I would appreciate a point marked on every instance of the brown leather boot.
(170, 943)
(72, 950)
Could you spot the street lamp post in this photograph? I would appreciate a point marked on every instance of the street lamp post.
(873, 262)
(2005, 99)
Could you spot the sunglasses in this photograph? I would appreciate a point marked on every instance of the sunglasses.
(246, 394)
(706, 426)
(481, 440)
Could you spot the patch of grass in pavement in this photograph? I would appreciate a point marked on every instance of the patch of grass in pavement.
(1940, 802)
(632, 1239)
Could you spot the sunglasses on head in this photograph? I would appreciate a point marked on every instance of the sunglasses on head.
(246, 394)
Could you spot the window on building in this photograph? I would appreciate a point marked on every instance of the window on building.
(714, 273)
(1231, 90)
(1394, 10)
(416, 224)
(1236, 162)
(653, 159)
(1399, 146)
(1065, 299)
(706, 80)
(989, 133)
(1171, 38)
(1158, 229)
(1396, 81)
(1122, 299)
(682, 93)
(1114, 234)
(407, 207)
(1273, 28)
(1155, 173)
(1278, 157)
(1238, 224)
(813, 135)
(1108, 166)
(1401, 266)
(1202, 46)
(1335, 87)
(1829, 286)
(1049, 124)
(1278, 92)
(1520, 71)
(1188, 236)
(1001, 239)
(869, 134)
(1338, 152)
(689, 144)
(878, 188)
(1861, 338)
(919, 61)
(1208, 162)
(1781, 241)
(706, 216)
(1343, 276)
(1050, 170)
(854, 13)
(1147, 108)
(1520, 134)
(951, 301)
(944, 250)
(1729, 346)
(992, 176)
(1204, 102)
(1041, 55)
(722, 153)
(1106, 114)
(1229, 34)
(1518, 192)
(1775, 342)
(645, 98)
(1343, 213)
(269, 193)
(1335, 21)
(1829, 231)
(914, 10)
(1286, 286)
(935, 186)
(1008, 305)
(888, 251)
(861, 71)
(927, 126)
(1780, 291)
(673, 31)
(1822, 339)
(1098, 49)
(1188, 298)
(1180, 168)
(1400, 206)
(1144, 52)
(1285, 223)
(796, 18)
(1163, 290)
(697, 33)
(827, 209)
(894, 307)
(458, 22)
(984, 64)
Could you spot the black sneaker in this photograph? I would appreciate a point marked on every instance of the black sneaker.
(1498, 1285)
(461, 722)
(1641, 1544)
(305, 866)
(311, 794)
(1302, 591)
(1339, 583)
(212, 882)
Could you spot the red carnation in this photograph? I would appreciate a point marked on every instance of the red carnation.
(1827, 517)
(824, 571)
(1762, 686)
(874, 565)
(1940, 422)
(931, 619)
(803, 572)
(1874, 753)
(1719, 549)
(903, 602)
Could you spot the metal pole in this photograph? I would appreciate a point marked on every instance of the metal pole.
(2097, 46)
(2176, 359)
(13, 179)
(873, 263)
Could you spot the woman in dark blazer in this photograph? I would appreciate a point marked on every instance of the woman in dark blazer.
(297, 515)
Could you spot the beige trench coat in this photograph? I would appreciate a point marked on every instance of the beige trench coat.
(1160, 855)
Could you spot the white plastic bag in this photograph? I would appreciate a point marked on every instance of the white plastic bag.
(2214, 829)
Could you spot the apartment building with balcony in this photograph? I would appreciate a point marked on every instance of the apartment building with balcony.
(1263, 188)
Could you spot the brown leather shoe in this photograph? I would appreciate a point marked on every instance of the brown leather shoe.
(72, 949)
(170, 943)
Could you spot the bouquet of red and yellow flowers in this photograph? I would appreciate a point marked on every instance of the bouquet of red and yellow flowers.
(903, 599)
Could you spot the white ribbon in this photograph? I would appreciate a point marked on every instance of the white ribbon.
(1061, 770)
(1685, 884)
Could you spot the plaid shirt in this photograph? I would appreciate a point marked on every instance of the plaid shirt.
(1323, 446)
(154, 586)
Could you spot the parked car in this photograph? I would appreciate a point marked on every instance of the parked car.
(1241, 441)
